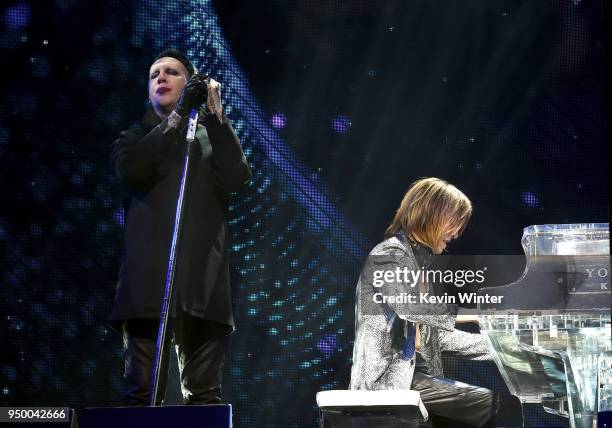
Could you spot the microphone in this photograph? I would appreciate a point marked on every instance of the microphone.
(192, 125)
(193, 116)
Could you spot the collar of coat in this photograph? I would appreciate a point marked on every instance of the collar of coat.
(422, 253)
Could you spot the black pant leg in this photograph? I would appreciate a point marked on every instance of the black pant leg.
(510, 413)
(139, 340)
(200, 347)
(456, 404)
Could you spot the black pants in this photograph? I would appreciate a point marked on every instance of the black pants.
(200, 348)
(456, 404)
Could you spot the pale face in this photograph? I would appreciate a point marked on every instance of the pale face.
(167, 77)
(449, 232)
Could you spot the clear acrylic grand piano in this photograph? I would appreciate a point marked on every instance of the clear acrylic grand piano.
(550, 335)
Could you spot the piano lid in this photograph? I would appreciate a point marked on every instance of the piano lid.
(566, 239)
(568, 269)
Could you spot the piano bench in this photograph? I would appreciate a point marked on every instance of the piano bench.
(384, 409)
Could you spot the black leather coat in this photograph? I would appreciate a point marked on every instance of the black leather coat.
(148, 166)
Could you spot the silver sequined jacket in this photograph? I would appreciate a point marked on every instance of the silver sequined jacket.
(377, 364)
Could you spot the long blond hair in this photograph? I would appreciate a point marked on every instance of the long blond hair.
(429, 205)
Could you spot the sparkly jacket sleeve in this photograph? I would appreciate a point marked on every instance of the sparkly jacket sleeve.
(473, 346)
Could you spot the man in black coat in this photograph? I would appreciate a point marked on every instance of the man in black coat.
(148, 163)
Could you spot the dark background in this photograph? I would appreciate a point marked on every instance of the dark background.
(339, 106)
(504, 99)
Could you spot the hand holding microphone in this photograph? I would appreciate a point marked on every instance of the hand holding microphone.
(199, 90)
(195, 93)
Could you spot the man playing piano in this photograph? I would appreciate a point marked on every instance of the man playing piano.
(390, 335)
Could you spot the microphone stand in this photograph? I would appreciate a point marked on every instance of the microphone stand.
(167, 301)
